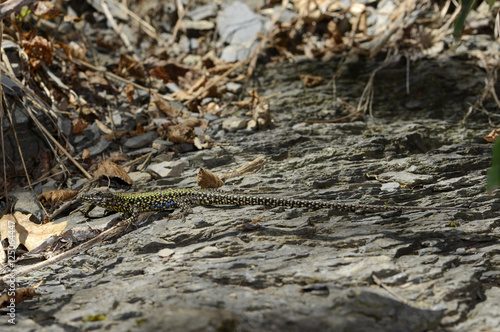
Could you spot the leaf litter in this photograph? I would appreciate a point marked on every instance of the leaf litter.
(164, 70)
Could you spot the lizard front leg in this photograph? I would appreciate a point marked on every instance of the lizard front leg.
(184, 203)
(134, 215)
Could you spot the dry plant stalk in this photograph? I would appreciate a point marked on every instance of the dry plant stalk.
(250, 168)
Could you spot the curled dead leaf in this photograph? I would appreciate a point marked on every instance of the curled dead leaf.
(111, 170)
(85, 154)
(311, 81)
(103, 127)
(180, 134)
(20, 295)
(207, 179)
(38, 49)
(77, 50)
(78, 126)
(161, 74)
(196, 122)
(128, 64)
(492, 136)
(200, 145)
(45, 9)
(72, 18)
(55, 196)
(87, 113)
(129, 90)
(164, 107)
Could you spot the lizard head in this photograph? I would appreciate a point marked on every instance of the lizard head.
(106, 200)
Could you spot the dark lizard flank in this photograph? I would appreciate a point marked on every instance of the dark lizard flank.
(134, 203)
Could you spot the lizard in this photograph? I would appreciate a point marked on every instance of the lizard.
(162, 200)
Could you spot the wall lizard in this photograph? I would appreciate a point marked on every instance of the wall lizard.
(134, 203)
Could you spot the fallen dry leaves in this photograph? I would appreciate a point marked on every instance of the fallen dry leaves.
(311, 81)
(180, 134)
(492, 136)
(20, 295)
(165, 107)
(38, 49)
(55, 196)
(111, 170)
(207, 179)
(26, 232)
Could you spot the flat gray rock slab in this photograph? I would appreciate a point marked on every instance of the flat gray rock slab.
(310, 270)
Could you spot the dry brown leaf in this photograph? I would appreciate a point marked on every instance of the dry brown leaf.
(27, 233)
(103, 127)
(202, 142)
(212, 108)
(111, 170)
(177, 72)
(196, 122)
(129, 65)
(180, 134)
(207, 179)
(78, 126)
(45, 9)
(311, 81)
(129, 90)
(78, 50)
(492, 136)
(87, 113)
(72, 18)
(38, 49)
(85, 154)
(161, 74)
(20, 295)
(55, 196)
(164, 107)
(139, 129)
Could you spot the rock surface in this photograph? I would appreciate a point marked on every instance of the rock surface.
(312, 270)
